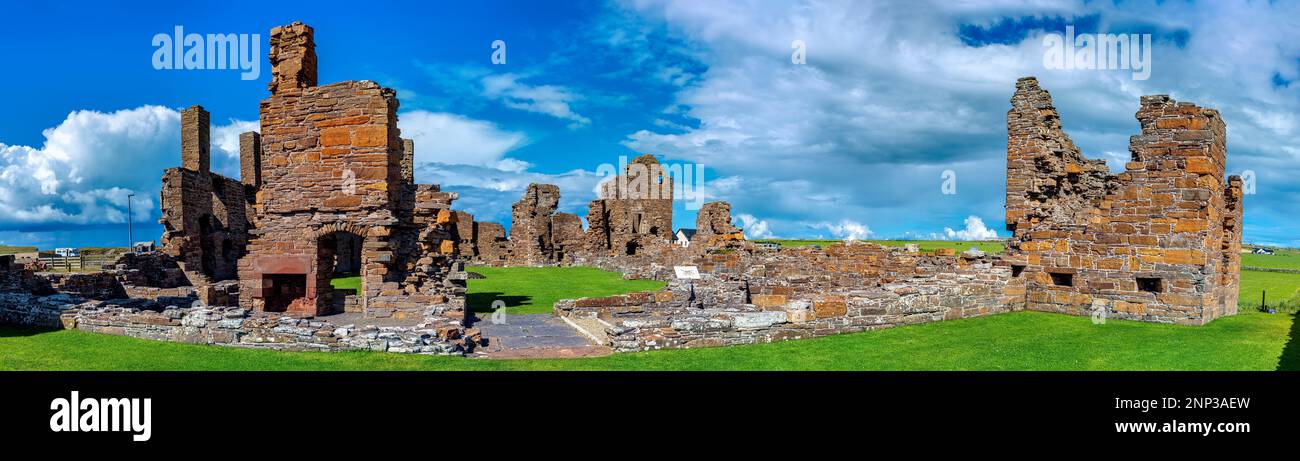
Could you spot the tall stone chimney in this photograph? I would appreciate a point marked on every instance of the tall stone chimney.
(293, 57)
(195, 140)
(250, 158)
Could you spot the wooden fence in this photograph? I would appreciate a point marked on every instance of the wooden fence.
(93, 262)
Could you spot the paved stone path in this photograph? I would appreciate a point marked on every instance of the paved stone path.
(535, 336)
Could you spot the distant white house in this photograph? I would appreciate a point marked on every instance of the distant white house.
(684, 237)
(1262, 251)
(68, 252)
(144, 247)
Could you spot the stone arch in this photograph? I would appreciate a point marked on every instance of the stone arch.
(326, 229)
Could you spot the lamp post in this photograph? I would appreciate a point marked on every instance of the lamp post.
(130, 234)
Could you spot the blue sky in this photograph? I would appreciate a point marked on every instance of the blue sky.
(853, 143)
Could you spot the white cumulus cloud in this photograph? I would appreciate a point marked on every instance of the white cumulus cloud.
(846, 229)
(458, 140)
(754, 228)
(91, 161)
(974, 230)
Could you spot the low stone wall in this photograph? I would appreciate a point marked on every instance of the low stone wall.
(92, 285)
(21, 308)
(173, 319)
(724, 311)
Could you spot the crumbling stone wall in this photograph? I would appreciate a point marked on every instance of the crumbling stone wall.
(330, 167)
(634, 211)
(204, 215)
(176, 321)
(530, 225)
(491, 247)
(1158, 242)
(538, 234)
(90, 285)
(151, 276)
(753, 297)
(713, 226)
(567, 236)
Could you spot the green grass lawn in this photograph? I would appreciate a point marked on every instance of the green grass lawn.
(994, 247)
(1281, 288)
(534, 290)
(1015, 341)
(346, 282)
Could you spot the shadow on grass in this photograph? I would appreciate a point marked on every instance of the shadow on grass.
(482, 302)
(1290, 359)
(14, 331)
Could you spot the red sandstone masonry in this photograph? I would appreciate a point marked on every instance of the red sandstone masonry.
(327, 176)
(1158, 242)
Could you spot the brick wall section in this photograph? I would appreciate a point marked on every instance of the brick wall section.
(567, 236)
(465, 235)
(1157, 242)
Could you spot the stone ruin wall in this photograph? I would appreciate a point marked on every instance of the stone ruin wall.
(713, 225)
(204, 215)
(1159, 242)
(539, 235)
(753, 296)
(109, 303)
(332, 166)
(634, 211)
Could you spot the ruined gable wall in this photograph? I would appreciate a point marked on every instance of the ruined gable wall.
(530, 225)
(1147, 244)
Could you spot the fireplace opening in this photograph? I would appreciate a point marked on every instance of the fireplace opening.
(282, 290)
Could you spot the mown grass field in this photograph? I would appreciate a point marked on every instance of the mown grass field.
(534, 290)
(1015, 341)
(1250, 340)
(1282, 259)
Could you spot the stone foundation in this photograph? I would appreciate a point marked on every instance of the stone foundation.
(746, 298)
(175, 321)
